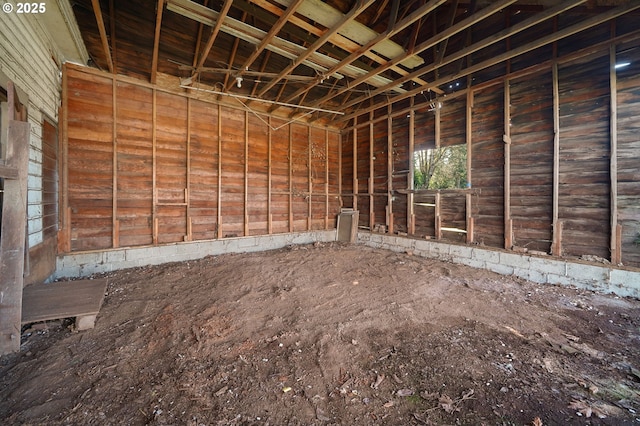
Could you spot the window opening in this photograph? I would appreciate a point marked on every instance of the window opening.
(443, 167)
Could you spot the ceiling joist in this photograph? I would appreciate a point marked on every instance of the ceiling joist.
(275, 29)
(337, 39)
(360, 7)
(462, 25)
(417, 15)
(334, 55)
(319, 62)
(566, 32)
(502, 35)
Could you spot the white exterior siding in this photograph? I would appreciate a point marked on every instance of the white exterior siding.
(30, 58)
(34, 182)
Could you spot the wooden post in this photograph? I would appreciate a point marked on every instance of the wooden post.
(469, 142)
(187, 192)
(340, 167)
(340, 201)
(326, 178)
(290, 178)
(411, 225)
(115, 230)
(154, 114)
(64, 236)
(246, 173)
(389, 171)
(219, 172)
(616, 244)
(556, 246)
(269, 178)
(355, 163)
(508, 223)
(372, 215)
(437, 125)
(438, 220)
(12, 243)
(469, 219)
(309, 179)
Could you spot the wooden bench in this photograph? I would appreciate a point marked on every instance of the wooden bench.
(69, 299)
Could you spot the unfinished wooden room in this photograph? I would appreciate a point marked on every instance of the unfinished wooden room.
(320, 212)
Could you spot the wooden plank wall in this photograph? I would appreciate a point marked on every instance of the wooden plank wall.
(584, 157)
(204, 162)
(401, 163)
(628, 176)
(363, 171)
(532, 161)
(89, 138)
(487, 165)
(347, 170)
(134, 195)
(557, 141)
(147, 166)
(280, 178)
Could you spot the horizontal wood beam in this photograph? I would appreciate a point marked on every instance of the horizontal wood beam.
(360, 7)
(460, 26)
(409, 20)
(527, 23)
(305, 31)
(212, 38)
(275, 29)
(566, 32)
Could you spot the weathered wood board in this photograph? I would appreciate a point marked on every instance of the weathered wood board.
(584, 157)
(12, 241)
(532, 161)
(487, 162)
(71, 299)
(187, 169)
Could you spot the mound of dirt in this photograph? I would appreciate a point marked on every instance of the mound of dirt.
(331, 334)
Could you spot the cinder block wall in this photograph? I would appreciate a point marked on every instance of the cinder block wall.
(539, 269)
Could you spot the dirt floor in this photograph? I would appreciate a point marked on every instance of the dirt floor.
(331, 334)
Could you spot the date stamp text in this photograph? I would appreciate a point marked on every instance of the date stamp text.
(24, 8)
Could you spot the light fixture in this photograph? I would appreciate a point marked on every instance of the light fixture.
(239, 82)
(622, 65)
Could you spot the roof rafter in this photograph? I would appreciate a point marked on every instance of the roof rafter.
(460, 26)
(212, 38)
(409, 20)
(156, 42)
(563, 33)
(359, 7)
(442, 47)
(232, 55)
(338, 40)
(196, 53)
(275, 29)
(527, 23)
(112, 34)
(97, 11)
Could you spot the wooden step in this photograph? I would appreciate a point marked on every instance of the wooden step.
(68, 299)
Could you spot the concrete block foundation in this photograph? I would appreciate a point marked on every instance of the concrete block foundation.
(539, 269)
(83, 264)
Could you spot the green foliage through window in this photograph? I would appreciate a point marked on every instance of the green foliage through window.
(441, 168)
